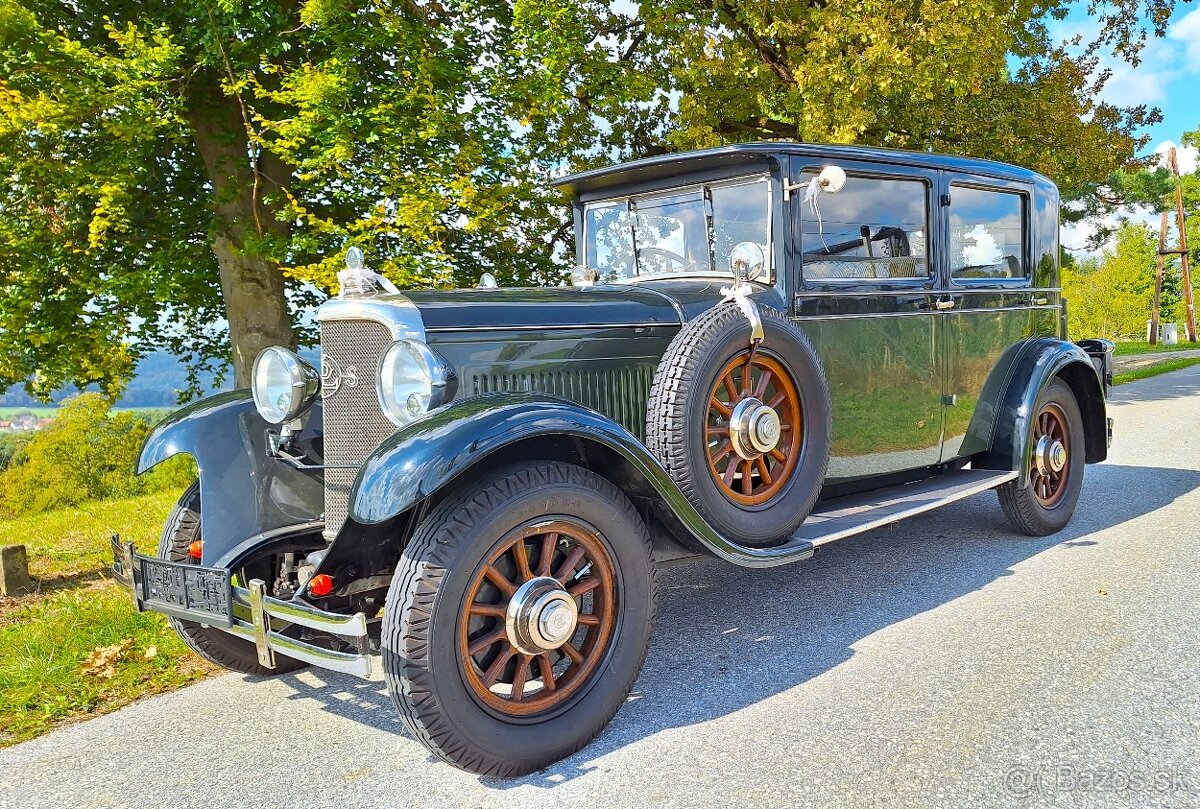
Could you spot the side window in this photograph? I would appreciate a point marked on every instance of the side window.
(871, 228)
(987, 233)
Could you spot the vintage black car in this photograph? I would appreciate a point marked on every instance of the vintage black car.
(767, 347)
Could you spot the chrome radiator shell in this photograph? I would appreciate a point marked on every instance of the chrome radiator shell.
(354, 334)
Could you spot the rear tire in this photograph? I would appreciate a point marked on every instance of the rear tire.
(215, 646)
(1045, 504)
(470, 693)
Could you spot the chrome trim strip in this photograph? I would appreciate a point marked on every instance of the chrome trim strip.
(922, 291)
(358, 665)
(295, 612)
(924, 312)
(395, 312)
(562, 327)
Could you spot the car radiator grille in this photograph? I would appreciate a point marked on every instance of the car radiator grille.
(354, 421)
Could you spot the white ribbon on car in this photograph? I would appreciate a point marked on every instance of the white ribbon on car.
(739, 293)
(363, 282)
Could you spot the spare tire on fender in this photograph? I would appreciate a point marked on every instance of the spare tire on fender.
(748, 449)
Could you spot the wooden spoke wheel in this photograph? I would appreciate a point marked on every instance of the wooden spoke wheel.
(537, 617)
(754, 430)
(1050, 464)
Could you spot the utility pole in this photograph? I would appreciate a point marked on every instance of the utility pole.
(1183, 248)
(1158, 279)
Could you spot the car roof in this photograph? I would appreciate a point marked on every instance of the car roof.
(663, 167)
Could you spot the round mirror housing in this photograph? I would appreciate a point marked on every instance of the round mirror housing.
(487, 281)
(748, 261)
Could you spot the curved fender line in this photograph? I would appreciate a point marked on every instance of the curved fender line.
(429, 453)
(1039, 364)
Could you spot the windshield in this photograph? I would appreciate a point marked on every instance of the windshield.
(687, 232)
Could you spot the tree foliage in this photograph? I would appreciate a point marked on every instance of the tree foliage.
(87, 453)
(1112, 295)
(177, 173)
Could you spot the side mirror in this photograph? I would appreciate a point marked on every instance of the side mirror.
(747, 261)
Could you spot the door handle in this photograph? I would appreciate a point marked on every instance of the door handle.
(941, 305)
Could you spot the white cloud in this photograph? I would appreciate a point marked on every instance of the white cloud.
(1187, 30)
(1129, 86)
(1188, 157)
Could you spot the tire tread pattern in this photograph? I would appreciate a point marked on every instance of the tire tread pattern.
(666, 419)
(426, 559)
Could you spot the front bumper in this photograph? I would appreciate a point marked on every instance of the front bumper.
(247, 612)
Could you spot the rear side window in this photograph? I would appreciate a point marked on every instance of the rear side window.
(871, 228)
(987, 233)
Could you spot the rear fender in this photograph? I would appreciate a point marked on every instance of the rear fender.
(1034, 367)
(247, 498)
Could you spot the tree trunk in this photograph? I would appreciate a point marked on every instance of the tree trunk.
(251, 284)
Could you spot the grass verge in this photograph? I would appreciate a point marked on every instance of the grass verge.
(1157, 368)
(1134, 347)
(51, 671)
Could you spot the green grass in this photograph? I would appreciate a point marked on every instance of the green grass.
(1157, 368)
(48, 636)
(1135, 347)
(47, 641)
(74, 542)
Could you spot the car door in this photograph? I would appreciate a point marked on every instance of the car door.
(988, 306)
(865, 293)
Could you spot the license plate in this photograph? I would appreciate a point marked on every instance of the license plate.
(187, 591)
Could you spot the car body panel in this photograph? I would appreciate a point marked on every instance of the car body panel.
(433, 451)
(245, 495)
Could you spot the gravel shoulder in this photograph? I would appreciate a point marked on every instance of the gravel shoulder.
(942, 661)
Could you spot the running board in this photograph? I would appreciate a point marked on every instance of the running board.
(847, 516)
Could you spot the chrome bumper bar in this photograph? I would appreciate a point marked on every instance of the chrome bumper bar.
(252, 612)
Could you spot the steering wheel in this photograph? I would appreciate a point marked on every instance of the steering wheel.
(670, 255)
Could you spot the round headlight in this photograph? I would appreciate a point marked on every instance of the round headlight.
(412, 381)
(284, 386)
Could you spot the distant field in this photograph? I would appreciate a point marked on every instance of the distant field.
(43, 411)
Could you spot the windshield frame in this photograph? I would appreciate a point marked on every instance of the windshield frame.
(630, 201)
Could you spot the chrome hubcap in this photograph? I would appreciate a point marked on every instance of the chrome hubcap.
(541, 616)
(1050, 455)
(753, 428)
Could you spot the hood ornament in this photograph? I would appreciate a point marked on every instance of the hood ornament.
(357, 280)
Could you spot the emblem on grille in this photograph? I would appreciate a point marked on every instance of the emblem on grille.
(333, 376)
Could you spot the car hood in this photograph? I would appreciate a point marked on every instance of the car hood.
(547, 308)
(669, 302)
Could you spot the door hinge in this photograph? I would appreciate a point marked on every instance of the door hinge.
(944, 200)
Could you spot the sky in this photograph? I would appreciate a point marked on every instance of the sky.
(1168, 78)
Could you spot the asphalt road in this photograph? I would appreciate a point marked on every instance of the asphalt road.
(940, 662)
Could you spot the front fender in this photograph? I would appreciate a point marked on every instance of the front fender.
(245, 496)
(432, 452)
(1037, 364)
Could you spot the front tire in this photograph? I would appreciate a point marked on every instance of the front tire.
(1045, 504)
(473, 637)
(215, 646)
